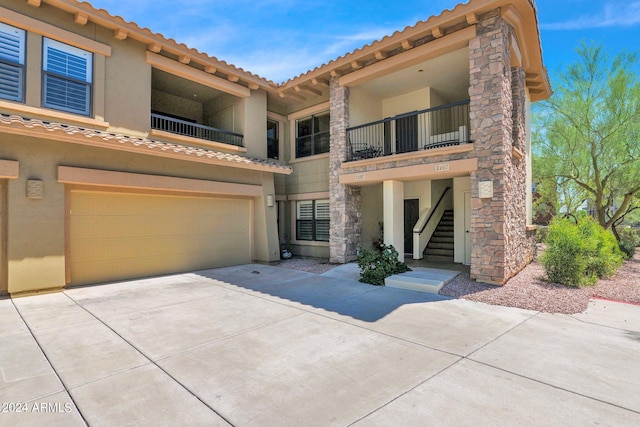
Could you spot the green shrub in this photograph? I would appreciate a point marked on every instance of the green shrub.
(541, 233)
(579, 254)
(629, 240)
(376, 265)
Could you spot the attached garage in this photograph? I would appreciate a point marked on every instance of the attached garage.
(120, 235)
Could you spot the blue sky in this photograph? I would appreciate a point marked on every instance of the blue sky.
(279, 39)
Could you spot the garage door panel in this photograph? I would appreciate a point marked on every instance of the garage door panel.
(116, 236)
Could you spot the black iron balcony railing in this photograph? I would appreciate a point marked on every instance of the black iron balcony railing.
(419, 130)
(183, 127)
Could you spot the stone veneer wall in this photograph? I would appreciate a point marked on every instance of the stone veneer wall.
(501, 245)
(345, 201)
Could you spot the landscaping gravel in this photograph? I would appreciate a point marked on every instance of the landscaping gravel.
(527, 289)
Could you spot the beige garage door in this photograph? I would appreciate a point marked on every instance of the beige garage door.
(116, 236)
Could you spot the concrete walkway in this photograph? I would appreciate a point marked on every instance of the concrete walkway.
(265, 346)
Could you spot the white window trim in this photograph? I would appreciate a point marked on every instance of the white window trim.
(20, 64)
(74, 51)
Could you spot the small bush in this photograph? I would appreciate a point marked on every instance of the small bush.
(541, 233)
(579, 254)
(629, 240)
(378, 264)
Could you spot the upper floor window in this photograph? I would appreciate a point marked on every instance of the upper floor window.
(67, 77)
(12, 46)
(312, 135)
(273, 143)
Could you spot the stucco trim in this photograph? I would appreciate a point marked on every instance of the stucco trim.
(407, 173)
(409, 156)
(9, 169)
(196, 141)
(39, 27)
(45, 113)
(136, 181)
(54, 131)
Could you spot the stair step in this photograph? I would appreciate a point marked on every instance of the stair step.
(428, 280)
(441, 252)
(441, 239)
(446, 234)
(440, 245)
(438, 259)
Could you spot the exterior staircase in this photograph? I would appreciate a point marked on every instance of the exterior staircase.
(440, 247)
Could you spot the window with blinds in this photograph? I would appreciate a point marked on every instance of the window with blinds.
(67, 78)
(12, 52)
(312, 220)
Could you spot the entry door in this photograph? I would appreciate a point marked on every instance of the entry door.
(411, 216)
(467, 228)
(407, 134)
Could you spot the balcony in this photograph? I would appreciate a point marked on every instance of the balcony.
(194, 130)
(440, 126)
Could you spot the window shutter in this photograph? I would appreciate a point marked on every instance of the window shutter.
(67, 81)
(12, 43)
(322, 220)
(304, 217)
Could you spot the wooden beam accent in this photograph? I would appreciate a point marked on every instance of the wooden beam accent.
(356, 65)
(184, 59)
(320, 81)
(292, 96)
(531, 76)
(154, 47)
(81, 18)
(307, 89)
(233, 78)
(472, 18)
(190, 73)
(406, 44)
(35, 3)
(335, 73)
(210, 69)
(254, 86)
(380, 55)
(437, 32)
(120, 33)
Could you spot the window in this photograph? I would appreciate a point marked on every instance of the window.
(67, 78)
(273, 142)
(312, 220)
(312, 135)
(12, 43)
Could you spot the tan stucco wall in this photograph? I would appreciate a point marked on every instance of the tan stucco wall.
(309, 176)
(372, 215)
(255, 124)
(363, 107)
(35, 228)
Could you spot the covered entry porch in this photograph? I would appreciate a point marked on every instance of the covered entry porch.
(423, 210)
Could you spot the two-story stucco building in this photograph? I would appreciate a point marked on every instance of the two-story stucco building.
(125, 154)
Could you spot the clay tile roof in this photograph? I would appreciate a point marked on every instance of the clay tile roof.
(142, 145)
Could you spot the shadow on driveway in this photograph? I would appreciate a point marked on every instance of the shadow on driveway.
(342, 295)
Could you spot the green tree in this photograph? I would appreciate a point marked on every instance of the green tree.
(587, 136)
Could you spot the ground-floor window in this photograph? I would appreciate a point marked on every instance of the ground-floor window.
(312, 220)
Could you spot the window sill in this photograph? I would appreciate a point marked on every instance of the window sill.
(47, 114)
(310, 243)
(309, 158)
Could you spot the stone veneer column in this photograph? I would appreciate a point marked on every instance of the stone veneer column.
(491, 131)
(344, 201)
(520, 244)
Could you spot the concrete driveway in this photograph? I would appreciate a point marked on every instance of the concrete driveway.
(261, 345)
